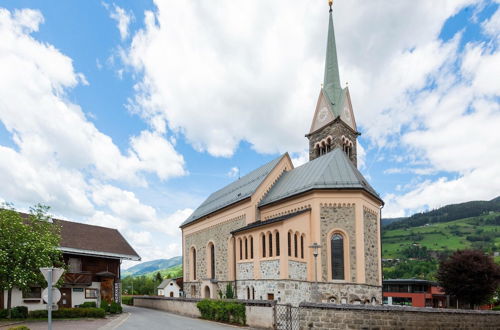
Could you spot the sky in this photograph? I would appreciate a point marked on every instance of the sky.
(128, 114)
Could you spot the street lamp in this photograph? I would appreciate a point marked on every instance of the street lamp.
(315, 246)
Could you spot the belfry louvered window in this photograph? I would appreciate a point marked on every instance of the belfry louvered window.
(337, 253)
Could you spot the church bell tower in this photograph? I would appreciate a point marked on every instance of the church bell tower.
(333, 125)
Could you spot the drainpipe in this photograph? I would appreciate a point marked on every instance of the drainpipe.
(234, 266)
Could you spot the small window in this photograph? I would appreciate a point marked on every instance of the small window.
(295, 245)
(246, 248)
(74, 265)
(277, 244)
(270, 244)
(263, 246)
(32, 293)
(302, 247)
(289, 244)
(91, 293)
(270, 296)
(241, 249)
(251, 247)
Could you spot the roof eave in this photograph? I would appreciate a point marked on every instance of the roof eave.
(110, 255)
(308, 190)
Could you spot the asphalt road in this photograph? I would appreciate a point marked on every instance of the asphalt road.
(150, 319)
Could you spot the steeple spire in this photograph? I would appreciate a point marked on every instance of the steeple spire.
(331, 83)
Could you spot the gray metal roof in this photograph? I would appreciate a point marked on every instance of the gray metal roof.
(234, 192)
(331, 171)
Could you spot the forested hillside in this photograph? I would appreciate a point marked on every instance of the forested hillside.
(413, 246)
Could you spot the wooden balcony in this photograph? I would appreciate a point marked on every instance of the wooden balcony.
(82, 278)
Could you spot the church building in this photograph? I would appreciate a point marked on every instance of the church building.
(293, 234)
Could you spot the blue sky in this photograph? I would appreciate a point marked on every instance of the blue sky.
(129, 114)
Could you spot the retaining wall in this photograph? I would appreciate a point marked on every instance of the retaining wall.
(328, 316)
(259, 314)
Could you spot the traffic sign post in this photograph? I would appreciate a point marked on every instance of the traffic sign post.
(51, 275)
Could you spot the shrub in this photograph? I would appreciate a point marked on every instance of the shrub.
(222, 311)
(4, 313)
(105, 305)
(229, 291)
(19, 312)
(20, 327)
(69, 313)
(496, 308)
(115, 308)
(88, 304)
(128, 300)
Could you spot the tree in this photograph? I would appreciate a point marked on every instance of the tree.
(158, 277)
(469, 275)
(26, 244)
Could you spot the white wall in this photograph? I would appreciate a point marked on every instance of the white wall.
(77, 298)
(160, 292)
(172, 287)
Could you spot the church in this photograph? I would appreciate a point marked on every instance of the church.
(293, 234)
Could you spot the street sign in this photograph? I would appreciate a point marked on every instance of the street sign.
(56, 295)
(56, 274)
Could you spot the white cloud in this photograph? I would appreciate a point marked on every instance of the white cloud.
(233, 172)
(122, 18)
(300, 158)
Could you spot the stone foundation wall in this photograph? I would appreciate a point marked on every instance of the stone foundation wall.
(327, 316)
(245, 270)
(294, 292)
(270, 269)
(297, 270)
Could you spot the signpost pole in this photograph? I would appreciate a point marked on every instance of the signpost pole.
(49, 302)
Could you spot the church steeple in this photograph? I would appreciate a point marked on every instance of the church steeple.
(331, 82)
(333, 124)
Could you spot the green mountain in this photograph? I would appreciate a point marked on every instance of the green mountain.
(413, 246)
(152, 266)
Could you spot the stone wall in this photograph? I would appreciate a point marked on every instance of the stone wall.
(270, 269)
(341, 217)
(219, 235)
(245, 270)
(294, 292)
(372, 244)
(297, 270)
(336, 129)
(259, 314)
(327, 316)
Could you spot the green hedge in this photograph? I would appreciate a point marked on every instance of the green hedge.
(19, 312)
(88, 304)
(128, 300)
(70, 313)
(20, 327)
(222, 311)
(3, 313)
(115, 308)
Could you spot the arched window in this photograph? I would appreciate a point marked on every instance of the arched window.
(251, 247)
(248, 292)
(277, 244)
(212, 260)
(246, 248)
(295, 245)
(337, 253)
(253, 293)
(193, 263)
(263, 237)
(302, 246)
(289, 244)
(270, 244)
(241, 248)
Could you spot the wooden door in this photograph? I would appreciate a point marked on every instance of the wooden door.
(65, 298)
(107, 289)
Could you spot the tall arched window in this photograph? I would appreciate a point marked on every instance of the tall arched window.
(246, 248)
(212, 260)
(270, 244)
(337, 253)
(277, 244)
(289, 244)
(263, 237)
(251, 247)
(302, 246)
(193, 263)
(241, 248)
(295, 248)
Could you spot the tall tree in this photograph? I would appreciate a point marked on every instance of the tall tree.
(26, 244)
(158, 276)
(470, 275)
